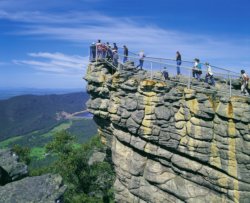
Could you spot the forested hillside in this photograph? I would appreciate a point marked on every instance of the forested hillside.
(24, 114)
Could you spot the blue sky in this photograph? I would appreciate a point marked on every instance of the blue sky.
(44, 43)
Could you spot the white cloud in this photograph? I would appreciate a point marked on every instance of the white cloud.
(56, 63)
(87, 27)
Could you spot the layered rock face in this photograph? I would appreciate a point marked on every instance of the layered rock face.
(170, 143)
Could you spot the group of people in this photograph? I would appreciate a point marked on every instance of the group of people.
(196, 70)
(101, 50)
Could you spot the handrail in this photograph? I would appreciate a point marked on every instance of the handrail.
(193, 87)
(169, 59)
(167, 64)
(161, 61)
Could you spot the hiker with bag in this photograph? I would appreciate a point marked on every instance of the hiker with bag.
(244, 83)
(197, 69)
(209, 75)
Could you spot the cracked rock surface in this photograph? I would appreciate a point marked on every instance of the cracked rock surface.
(170, 143)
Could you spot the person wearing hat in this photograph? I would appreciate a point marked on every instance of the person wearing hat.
(197, 69)
(209, 75)
(165, 73)
(244, 82)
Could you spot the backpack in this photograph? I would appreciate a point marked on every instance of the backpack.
(247, 77)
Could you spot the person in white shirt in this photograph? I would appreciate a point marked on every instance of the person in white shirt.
(141, 59)
(244, 82)
(209, 75)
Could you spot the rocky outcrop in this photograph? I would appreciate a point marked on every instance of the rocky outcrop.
(170, 143)
(40, 189)
(15, 188)
(10, 168)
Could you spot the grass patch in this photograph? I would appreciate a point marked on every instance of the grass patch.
(62, 126)
(37, 153)
(6, 143)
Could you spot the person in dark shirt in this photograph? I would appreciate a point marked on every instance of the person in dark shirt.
(115, 58)
(115, 47)
(92, 53)
(165, 73)
(125, 53)
(178, 62)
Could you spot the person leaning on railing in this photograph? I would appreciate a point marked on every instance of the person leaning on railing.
(209, 75)
(197, 69)
(244, 82)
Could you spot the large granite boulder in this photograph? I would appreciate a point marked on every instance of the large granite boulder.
(170, 143)
(10, 168)
(41, 189)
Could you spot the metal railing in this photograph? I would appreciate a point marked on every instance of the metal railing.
(153, 64)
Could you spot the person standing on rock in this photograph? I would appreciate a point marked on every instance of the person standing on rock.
(125, 53)
(178, 62)
(165, 73)
(244, 82)
(109, 52)
(115, 58)
(141, 59)
(92, 53)
(115, 47)
(99, 49)
(197, 69)
(209, 75)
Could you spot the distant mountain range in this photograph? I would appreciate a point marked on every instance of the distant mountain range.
(20, 115)
(6, 93)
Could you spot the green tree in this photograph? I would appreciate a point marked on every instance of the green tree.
(23, 153)
(85, 183)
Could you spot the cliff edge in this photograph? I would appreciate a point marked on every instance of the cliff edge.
(170, 143)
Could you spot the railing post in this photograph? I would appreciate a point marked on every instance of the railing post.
(96, 54)
(230, 83)
(151, 71)
(189, 79)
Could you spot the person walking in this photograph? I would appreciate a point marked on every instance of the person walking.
(141, 59)
(244, 82)
(178, 62)
(197, 69)
(209, 75)
(125, 53)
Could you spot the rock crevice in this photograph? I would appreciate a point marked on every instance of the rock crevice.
(170, 143)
